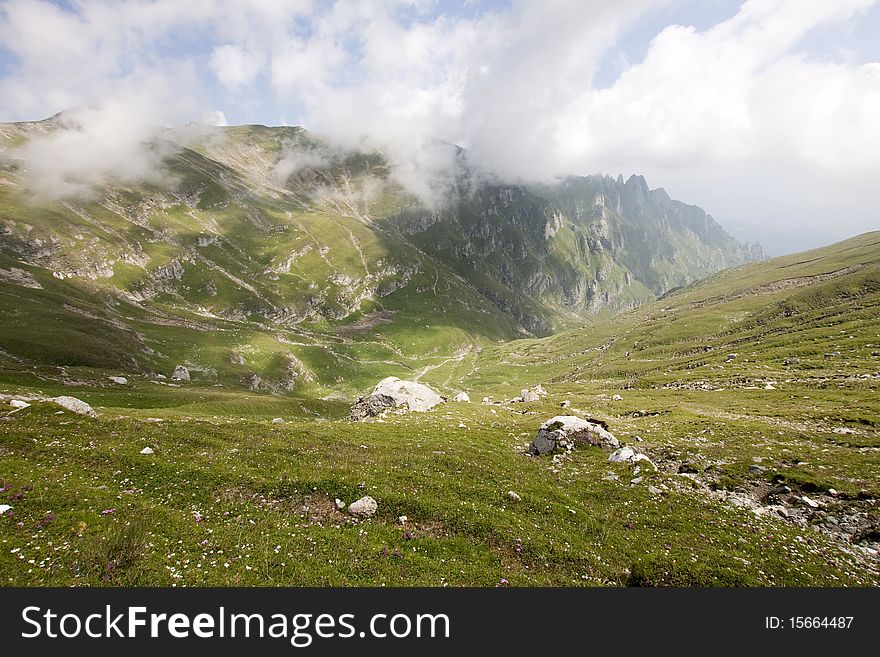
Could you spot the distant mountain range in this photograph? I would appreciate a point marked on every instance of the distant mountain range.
(274, 232)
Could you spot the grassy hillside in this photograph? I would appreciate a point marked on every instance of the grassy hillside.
(743, 440)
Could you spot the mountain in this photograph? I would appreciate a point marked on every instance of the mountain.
(268, 257)
(753, 393)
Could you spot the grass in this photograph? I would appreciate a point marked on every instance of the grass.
(229, 498)
(229, 501)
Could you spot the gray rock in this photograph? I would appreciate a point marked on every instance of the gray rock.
(544, 443)
(18, 403)
(757, 469)
(514, 496)
(181, 373)
(568, 432)
(629, 455)
(616, 398)
(364, 507)
(565, 403)
(461, 397)
(528, 396)
(392, 392)
(810, 502)
(277, 420)
(147, 450)
(121, 380)
(75, 405)
(791, 361)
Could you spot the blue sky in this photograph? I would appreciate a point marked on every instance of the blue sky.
(763, 112)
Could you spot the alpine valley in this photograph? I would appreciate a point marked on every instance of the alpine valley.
(194, 368)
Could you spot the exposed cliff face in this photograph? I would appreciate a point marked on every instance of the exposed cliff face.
(547, 254)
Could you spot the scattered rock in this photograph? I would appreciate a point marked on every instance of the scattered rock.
(486, 400)
(121, 380)
(75, 405)
(769, 386)
(254, 381)
(616, 398)
(831, 491)
(461, 397)
(565, 403)
(365, 507)
(4, 508)
(147, 450)
(730, 357)
(757, 469)
(392, 392)
(567, 432)
(528, 396)
(810, 502)
(629, 455)
(18, 403)
(791, 361)
(339, 504)
(843, 430)
(180, 373)
(832, 354)
(611, 477)
(653, 490)
(514, 496)
(402, 520)
(539, 389)
(277, 420)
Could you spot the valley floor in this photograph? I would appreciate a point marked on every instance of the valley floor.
(229, 498)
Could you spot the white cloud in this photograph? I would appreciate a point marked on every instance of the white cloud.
(737, 117)
(214, 118)
(235, 66)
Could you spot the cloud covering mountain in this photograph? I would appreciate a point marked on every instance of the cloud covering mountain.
(765, 111)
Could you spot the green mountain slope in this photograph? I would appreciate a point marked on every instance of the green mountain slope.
(820, 307)
(765, 468)
(269, 252)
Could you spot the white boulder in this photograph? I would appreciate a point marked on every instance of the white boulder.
(629, 455)
(568, 432)
(364, 507)
(416, 396)
(147, 450)
(461, 397)
(18, 403)
(75, 405)
(121, 380)
(528, 396)
(392, 392)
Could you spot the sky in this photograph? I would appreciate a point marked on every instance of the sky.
(765, 112)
